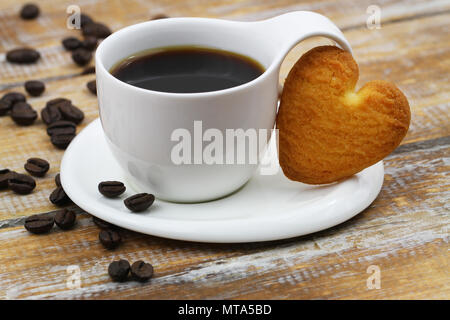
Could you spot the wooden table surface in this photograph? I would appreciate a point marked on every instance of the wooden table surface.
(404, 232)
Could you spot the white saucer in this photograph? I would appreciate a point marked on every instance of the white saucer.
(268, 207)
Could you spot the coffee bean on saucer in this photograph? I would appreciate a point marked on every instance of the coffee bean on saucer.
(34, 87)
(58, 180)
(118, 270)
(71, 113)
(65, 219)
(141, 271)
(109, 238)
(22, 55)
(23, 114)
(71, 43)
(59, 197)
(21, 183)
(61, 127)
(61, 141)
(88, 70)
(85, 19)
(139, 202)
(39, 223)
(5, 175)
(89, 43)
(92, 86)
(96, 29)
(103, 224)
(111, 189)
(37, 167)
(81, 56)
(29, 11)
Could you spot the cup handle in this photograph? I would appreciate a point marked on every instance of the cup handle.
(286, 30)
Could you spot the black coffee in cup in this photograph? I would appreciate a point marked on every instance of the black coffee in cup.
(187, 69)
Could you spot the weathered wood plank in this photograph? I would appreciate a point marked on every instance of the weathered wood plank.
(404, 232)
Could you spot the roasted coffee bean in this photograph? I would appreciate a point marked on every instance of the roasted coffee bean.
(61, 127)
(37, 167)
(51, 114)
(58, 180)
(159, 16)
(89, 43)
(88, 70)
(5, 107)
(118, 270)
(65, 219)
(39, 223)
(139, 202)
(111, 189)
(109, 238)
(58, 101)
(71, 43)
(96, 29)
(22, 55)
(34, 88)
(103, 224)
(59, 197)
(141, 271)
(29, 11)
(71, 113)
(5, 175)
(21, 183)
(85, 19)
(14, 97)
(61, 141)
(92, 86)
(81, 56)
(23, 114)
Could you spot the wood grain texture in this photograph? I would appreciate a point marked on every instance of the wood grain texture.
(404, 232)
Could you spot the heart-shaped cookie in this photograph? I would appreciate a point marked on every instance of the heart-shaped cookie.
(327, 131)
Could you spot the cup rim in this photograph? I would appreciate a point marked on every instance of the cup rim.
(133, 28)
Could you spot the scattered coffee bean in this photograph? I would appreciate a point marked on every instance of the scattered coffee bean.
(29, 11)
(92, 86)
(71, 43)
(103, 224)
(58, 101)
(58, 180)
(21, 183)
(61, 127)
(118, 270)
(96, 29)
(39, 223)
(71, 113)
(5, 107)
(111, 189)
(50, 114)
(34, 88)
(141, 271)
(59, 197)
(23, 114)
(81, 56)
(65, 219)
(61, 141)
(88, 70)
(22, 55)
(85, 19)
(159, 16)
(37, 167)
(139, 202)
(14, 97)
(5, 175)
(89, 43)
(109, 238)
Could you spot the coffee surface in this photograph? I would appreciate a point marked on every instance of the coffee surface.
(187, 70)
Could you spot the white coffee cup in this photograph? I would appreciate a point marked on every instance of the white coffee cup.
(138, 123)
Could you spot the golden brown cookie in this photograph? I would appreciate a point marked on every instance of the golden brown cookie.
(327, 131)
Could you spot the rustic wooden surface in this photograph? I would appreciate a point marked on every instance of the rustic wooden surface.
(404, 232)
